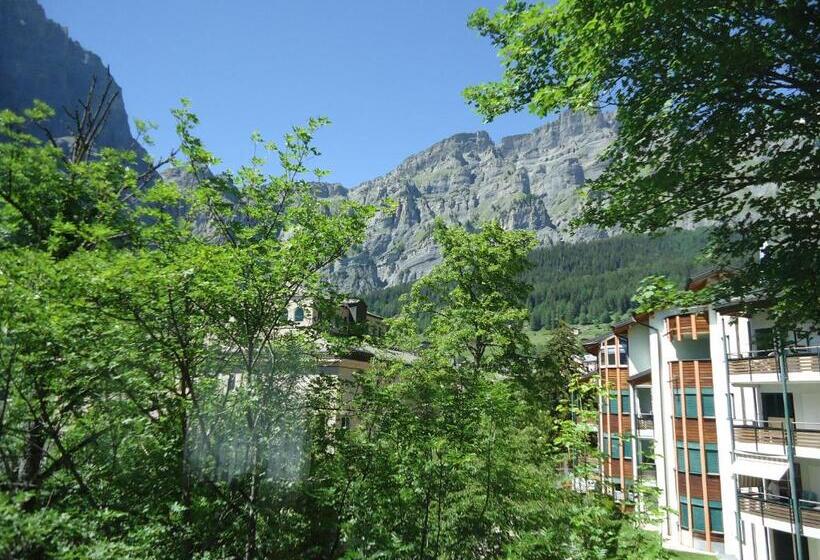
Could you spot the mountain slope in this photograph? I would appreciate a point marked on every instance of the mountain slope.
(38, 60)
(529, 181)
(590, 281)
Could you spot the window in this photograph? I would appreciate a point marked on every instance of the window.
(707, 397)
(610, 355)
(693, 450)
(772, 405)
(613, 403)
(716, 516)
(690, 402)
(698, 515)
(694, 458)
(712, 464)
(647, 448)
(614, 449)
(681, 458)
(623, 350)
(627, 448)
(625, 403)
(689, 398)
(764, 339)
(299, 314)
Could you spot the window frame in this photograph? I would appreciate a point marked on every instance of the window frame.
(707, 392)
(614, 447)
(716, 513)
(711, 450)
(626, 403)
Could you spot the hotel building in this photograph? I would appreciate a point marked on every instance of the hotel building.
(698, 403)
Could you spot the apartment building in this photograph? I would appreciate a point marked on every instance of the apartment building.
(698, 403)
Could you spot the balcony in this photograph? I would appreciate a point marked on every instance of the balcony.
(645, 421)
(775, 512)
(691, 326)
(761, 366)
(648, 473)
(769, 438)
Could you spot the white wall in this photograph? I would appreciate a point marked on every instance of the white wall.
(639, 356)
(723, 422)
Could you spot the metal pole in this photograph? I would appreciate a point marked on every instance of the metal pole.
(738, 520)
(795, 493)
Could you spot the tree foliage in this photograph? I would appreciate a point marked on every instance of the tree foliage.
(717, 108)
(589, 282)
(155, 402)
(149, 388)
(459, 452)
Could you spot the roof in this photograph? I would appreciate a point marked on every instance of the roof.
(389, 355)
(591, 345)
(623, 326)
(640, 376)
(700, 281)
(740, 306)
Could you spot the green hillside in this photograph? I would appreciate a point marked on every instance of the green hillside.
(590, 282)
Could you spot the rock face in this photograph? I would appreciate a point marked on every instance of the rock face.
(38, 60)
(528, 181)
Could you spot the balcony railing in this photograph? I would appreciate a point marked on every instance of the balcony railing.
(778, 508)
(687, 326)
(647, 472)
(762, 362)
(766, 433)
(645, 421)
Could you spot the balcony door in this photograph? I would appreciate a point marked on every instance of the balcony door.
(771, 406)
(783, 546)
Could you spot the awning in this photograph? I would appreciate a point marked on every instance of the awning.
(770, 470)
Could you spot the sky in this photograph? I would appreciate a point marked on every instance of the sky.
(388, 74)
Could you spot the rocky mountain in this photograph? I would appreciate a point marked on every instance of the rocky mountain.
(39, 60)
(528, 181)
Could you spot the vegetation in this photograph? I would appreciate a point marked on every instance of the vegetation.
(592, 282)
(157, 403)
(717, 108)
(458, 453)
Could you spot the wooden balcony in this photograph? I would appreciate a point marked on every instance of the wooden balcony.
(770, 437)
(778, 508)
(691, 326)
(802, 364)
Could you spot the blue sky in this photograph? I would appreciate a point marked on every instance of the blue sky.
(388, 74)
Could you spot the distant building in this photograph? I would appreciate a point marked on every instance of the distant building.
(699, 404)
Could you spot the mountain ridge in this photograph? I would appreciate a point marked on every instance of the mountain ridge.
(40, 60)
(524, 181)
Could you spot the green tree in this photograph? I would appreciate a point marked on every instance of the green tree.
(459, 450)
(154, 397)
(717, 108)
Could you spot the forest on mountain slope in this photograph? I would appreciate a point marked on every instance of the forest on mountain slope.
(589, 282)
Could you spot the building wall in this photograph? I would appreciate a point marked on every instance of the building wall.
(639, 356)
(672, 363)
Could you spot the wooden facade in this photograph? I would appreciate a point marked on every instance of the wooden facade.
(617, 423)
(689, 326)
(691, 380)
